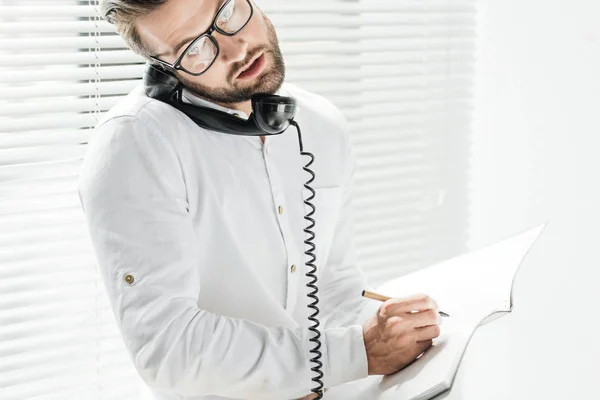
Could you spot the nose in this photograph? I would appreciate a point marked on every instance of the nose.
(232, 48)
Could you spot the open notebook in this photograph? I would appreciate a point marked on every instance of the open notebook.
(486, 275)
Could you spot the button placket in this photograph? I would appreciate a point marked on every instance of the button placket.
(271, 175)
(295, 257)
(274, 193)
(279, 206)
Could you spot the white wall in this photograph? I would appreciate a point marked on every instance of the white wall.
(536, 158)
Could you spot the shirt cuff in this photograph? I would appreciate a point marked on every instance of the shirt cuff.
(345, 356)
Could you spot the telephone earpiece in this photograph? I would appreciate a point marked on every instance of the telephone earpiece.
(271, 114)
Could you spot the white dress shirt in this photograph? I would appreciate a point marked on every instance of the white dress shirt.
(199, 240)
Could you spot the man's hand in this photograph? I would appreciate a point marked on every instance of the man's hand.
(395, 335)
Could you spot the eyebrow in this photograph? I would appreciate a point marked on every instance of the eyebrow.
(180, 44)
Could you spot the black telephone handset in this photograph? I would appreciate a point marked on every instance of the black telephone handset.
(271, 115)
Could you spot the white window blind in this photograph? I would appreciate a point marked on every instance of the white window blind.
(400, 70)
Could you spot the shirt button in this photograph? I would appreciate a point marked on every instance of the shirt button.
(129, 279)
(280, 209)
(293, 268)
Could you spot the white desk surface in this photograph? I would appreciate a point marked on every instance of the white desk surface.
(548, 346)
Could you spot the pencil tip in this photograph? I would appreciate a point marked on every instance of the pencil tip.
(363, 293)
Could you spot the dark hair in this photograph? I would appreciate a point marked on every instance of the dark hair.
(123, 14)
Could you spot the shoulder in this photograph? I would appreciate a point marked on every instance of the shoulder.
(129, 140)
(136, 108)
(141, 121)
(136, 121)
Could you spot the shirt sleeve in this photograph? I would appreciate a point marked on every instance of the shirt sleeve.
(133, 195)
(342, 283)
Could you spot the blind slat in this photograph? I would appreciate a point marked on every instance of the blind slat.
(311, 7)
(394, 29)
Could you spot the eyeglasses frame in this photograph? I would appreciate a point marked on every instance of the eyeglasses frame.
(213, 27)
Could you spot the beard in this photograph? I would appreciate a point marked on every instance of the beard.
(269, 81)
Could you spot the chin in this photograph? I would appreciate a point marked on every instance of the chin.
(270, 81)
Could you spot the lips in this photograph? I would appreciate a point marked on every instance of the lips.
(250, 67)
(255, 66)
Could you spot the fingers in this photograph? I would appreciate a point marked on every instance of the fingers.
(409, 321)
(424, 318)
(398, 318)
(401, 330)
(427, 333)
(418, 302)
(406, 321)
(424, 345)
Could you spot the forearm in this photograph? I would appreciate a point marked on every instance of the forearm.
(201, 354)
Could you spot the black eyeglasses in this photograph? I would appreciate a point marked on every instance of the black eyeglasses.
(202, 52)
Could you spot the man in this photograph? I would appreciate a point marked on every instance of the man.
(199, 235)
